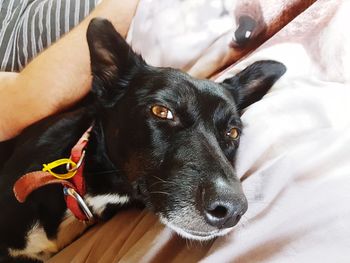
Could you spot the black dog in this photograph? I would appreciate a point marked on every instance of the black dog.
(159, 136)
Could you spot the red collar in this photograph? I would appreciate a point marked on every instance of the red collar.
(74, 188)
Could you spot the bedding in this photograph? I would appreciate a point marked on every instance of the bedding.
(295, 149)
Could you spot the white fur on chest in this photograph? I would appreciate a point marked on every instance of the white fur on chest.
(41, 248)
(98, 203)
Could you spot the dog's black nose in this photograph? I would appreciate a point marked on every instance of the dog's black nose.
(223, 207)
(224, 214)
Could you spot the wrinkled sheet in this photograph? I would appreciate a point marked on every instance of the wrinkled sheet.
(294, 155)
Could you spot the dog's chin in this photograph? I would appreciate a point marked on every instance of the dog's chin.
(195, 235)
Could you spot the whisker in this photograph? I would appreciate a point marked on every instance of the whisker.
(186, 174)
(165, 183)
(159, 192)
(160, 179)
(188, 243)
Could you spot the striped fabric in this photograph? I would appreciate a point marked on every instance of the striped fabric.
(29, 26)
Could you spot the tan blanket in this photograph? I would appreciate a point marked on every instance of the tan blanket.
(295, 150)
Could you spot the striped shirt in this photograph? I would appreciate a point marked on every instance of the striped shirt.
(29, 26)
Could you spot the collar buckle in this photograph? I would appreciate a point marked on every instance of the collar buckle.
(71, 192)
(71, 169)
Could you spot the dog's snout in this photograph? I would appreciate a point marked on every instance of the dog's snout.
(222, 206)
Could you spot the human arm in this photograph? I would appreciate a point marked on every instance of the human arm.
(58, 77)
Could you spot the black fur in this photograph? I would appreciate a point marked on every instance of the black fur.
(183, 166)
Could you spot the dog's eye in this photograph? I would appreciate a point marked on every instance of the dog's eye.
(162, 112)
(233, 133)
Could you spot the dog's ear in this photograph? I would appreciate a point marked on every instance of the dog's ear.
(113, 63)
(252, 83)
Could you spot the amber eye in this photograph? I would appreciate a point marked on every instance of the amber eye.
(233, 133)
(162, 112)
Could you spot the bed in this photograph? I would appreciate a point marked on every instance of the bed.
(294, 157)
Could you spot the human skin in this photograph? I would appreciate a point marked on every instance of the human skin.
(58, 77)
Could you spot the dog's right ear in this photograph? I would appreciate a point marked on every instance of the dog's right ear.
(113, 63)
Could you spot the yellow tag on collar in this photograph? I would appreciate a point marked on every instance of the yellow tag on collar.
(48, 168)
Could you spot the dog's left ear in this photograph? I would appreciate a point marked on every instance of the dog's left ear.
(113, 63)
(252, 83)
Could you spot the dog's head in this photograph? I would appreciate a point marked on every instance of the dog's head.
(175, 137)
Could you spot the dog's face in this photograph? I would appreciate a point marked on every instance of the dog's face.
(175, 137)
